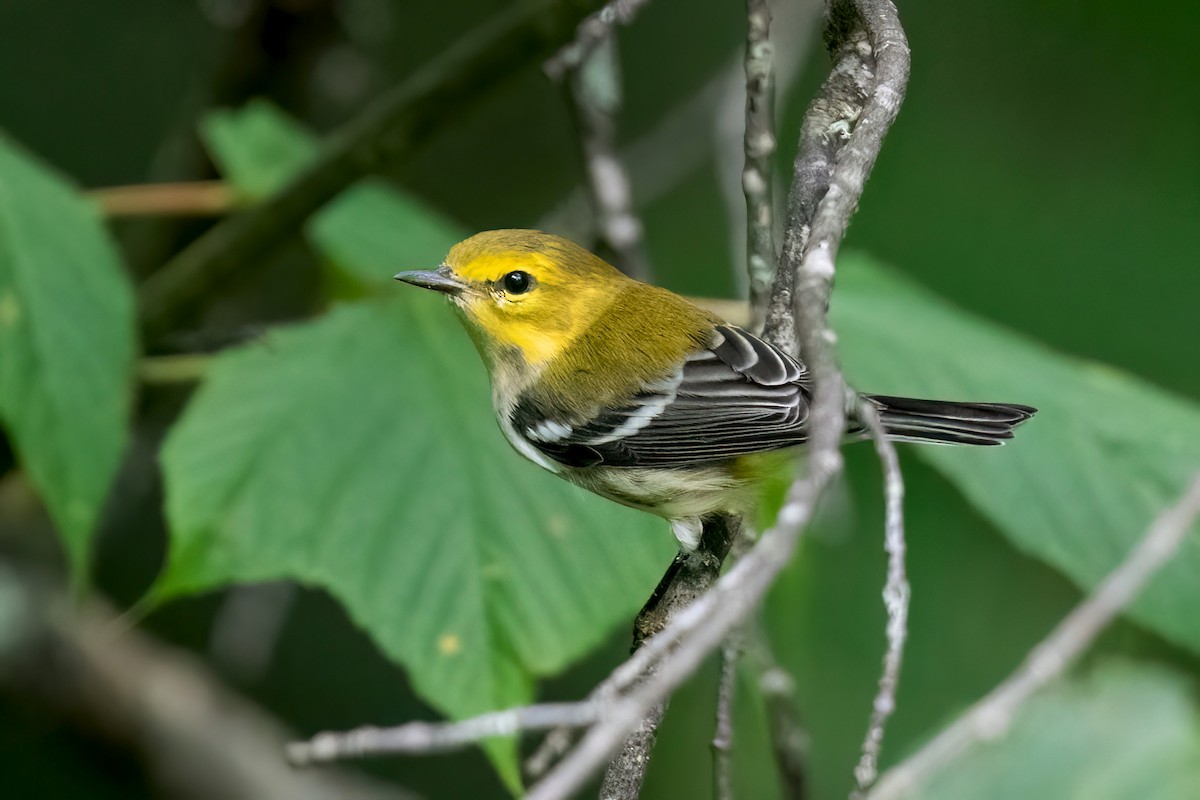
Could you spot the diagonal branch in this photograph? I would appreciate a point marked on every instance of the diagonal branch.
(688, 579)
(992, 716)
(194, 737)
(385, 133)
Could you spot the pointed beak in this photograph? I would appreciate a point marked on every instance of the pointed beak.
(440, 280)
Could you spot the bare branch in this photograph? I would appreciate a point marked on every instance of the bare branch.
(686, 580)
(672, 149)
(557, 742)
(440, 737)
(758, 174)
(594, 30)
(869, 75)
(595, 91)
(991, 717)
(695, 632)
(789, 742)
(191, 199)
(895, 599)
(722, 743)
(627, 771)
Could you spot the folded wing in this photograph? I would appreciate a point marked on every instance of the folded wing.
(740, 395)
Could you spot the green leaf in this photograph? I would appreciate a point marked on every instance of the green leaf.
(1121, 733)
(257, 147)
(67, 343)
(360, 453)
(371, 231)
(1081, 481)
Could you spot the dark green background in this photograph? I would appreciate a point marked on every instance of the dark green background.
(1044, 173)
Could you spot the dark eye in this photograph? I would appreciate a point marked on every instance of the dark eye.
(517, 282)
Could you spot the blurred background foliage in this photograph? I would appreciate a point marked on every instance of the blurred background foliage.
(1044, 174)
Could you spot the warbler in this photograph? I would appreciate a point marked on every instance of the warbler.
(641, 396)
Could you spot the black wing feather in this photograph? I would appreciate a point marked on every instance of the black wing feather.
(739, 396)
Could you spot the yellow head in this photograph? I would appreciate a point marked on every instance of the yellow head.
(523, 293)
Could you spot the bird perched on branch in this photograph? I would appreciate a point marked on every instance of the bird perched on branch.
(641, 396)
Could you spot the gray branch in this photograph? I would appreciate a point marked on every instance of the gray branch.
(686, 581)
(592, 32)
(595, 92)
(828, 122)
(722, 742)
(992, 716)
(789, 741)
(672, 150)
(695, 632)
(758, 174)
(421, 738)
(895, 598)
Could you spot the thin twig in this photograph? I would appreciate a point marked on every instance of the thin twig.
(757, 184)
(595, 92)
(384, 133)
(188, 199)
(722, 743)
(593, 31)
(991, 717)
(789, 741)
(557, 742)
(895, 599)
(672, 150)
(758, 174)
(440, 737)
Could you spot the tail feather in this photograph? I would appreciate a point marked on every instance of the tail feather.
(948, 422)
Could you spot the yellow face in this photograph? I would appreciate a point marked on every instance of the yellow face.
(523, 292)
